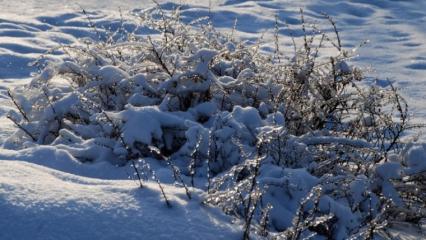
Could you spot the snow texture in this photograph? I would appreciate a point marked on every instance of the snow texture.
(37, 202)
(47, 193)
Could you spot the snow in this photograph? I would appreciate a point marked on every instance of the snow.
(153, 120)
(248, 116)
(298, 180)
(46, 193)
(416, 159)
(391, 170)
(38, 202)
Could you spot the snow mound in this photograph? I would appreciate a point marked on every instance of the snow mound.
(40, 203)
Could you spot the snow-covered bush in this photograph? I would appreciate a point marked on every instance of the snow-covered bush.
(296, 147)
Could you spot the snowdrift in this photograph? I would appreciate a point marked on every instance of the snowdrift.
(37, 202)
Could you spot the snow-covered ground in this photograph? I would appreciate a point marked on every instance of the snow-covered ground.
(45, 195)
(37, 202)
